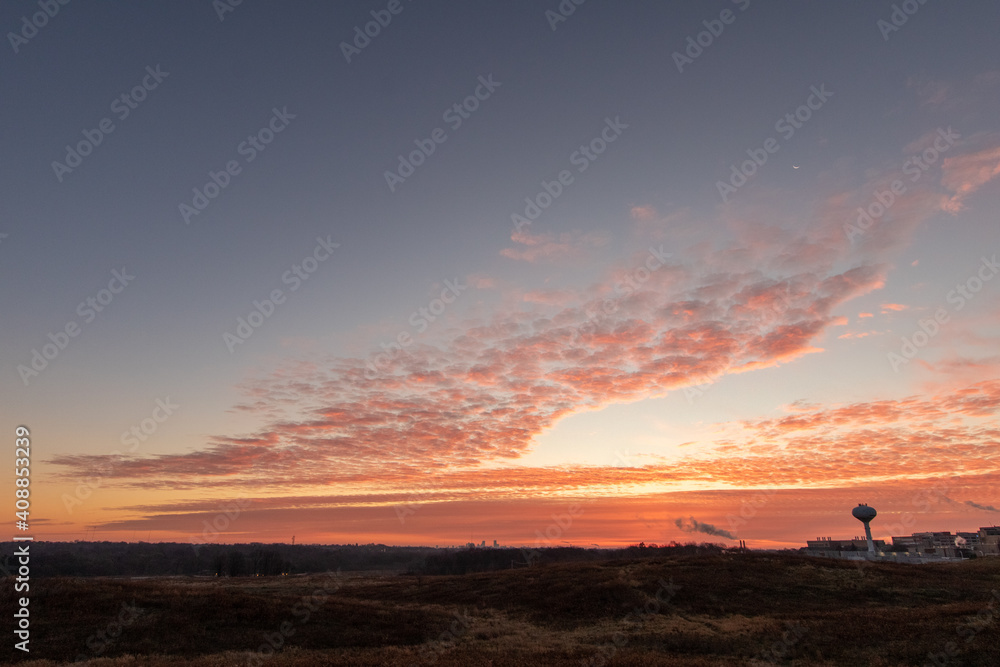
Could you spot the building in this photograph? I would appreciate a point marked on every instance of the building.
(939, 543)
(936, 540)
(829, 546)
(934, 545)
(959, 545)
(989, 541)
(923, 547)
(968, 540)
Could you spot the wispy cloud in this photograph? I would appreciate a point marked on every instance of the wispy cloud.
(447, 413)
(550, 247)
(483, 394)
(964, 174)
(643, 213)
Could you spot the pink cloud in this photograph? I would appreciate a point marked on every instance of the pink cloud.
(484, 393)
(550, 297)
(643, 213)
(891, 447)
(861, 334)
(480, 281)
(550, 247)
(964, 174)
(445, 414)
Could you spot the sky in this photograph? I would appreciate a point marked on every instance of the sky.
(536, 272)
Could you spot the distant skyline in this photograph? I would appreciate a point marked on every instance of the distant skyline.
(429, 274)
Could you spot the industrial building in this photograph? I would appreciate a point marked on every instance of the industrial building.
(915, 548)
(855, 544)
(989, 541)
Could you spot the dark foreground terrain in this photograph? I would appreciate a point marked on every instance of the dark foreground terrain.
(732, 609)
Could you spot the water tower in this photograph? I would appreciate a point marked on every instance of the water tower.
(865, 514)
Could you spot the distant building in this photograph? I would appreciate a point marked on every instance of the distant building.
(959, 545)
(935, 540)
(989, 541)
(969, 540)
(857, 544)
(915, 548)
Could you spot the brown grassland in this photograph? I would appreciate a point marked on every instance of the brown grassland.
(734, 609)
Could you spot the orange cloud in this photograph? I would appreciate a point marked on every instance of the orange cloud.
(482, 395)
(861, 334)
(888, 307)
(548, 247)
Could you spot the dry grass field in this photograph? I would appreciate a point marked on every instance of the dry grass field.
(728, 610)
